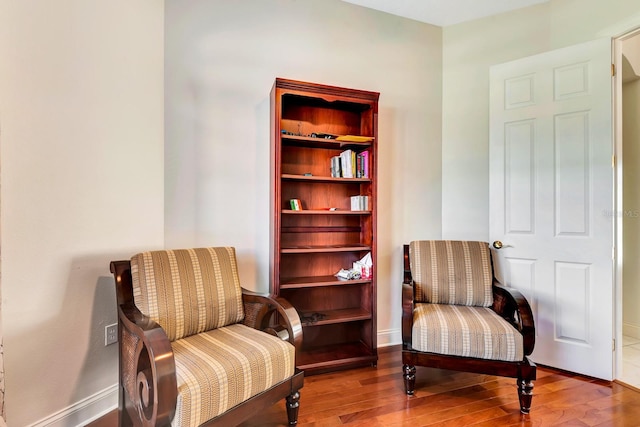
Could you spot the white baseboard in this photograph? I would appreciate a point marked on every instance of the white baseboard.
(389, 337)
(630, 330)
(83, 412)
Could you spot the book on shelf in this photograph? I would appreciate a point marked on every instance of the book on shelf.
(345, 164)
(336, 169)
(350, 164)
(296, 204)
(354, 138)
(354, 167)
(362, 164)
(364, 157)
(359, 203)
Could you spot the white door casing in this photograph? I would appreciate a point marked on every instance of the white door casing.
(551, 199)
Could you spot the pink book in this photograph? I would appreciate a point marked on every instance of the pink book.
(365, 164)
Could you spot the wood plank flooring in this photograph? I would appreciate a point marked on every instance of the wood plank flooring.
(375, 397)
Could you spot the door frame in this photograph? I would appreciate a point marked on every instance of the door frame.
(618, 210)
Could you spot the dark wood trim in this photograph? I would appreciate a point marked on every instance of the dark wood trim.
(333, 92)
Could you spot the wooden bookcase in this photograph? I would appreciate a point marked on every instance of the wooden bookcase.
(309, 246)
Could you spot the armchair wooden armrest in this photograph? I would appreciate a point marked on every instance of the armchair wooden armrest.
(407, 313)
(149, 371)
(147, 366)
(511, 305)
(407, 299)
(259, 314)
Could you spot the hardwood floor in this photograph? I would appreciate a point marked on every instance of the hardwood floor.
(375, 397)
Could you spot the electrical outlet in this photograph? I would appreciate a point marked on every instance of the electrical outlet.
(111, 334)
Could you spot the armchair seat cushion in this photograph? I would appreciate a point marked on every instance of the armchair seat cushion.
(221, 368)
(467, 331)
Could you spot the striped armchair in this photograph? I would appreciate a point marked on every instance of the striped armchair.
(195, 348)
(455, 315)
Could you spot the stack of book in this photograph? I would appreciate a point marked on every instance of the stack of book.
(359, 203)
(350, 164)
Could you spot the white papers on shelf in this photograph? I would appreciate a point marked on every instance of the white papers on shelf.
(364, 266)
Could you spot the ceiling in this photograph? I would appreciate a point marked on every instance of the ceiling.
(444, 12)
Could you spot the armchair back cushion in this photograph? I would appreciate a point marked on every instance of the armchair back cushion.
(188, 291)
(452, 272)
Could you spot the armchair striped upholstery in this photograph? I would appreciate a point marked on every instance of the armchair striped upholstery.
(220, 368)
(188, 291)
(452, 272)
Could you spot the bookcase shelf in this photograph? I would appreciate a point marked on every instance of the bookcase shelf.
(335, 316)
(309, 246)
(314, 142)
(318, 249)
(318, 281)
(338, 356)
(324, 212)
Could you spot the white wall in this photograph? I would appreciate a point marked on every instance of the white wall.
(469, 49)
(81, 113)
(221, 61)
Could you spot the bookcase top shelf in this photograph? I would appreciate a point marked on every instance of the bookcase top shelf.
(289, 176)
(326, 92)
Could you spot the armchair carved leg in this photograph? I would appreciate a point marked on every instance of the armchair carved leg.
(525, 393)
(409, 379)
(293, 404)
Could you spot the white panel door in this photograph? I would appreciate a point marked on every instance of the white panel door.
(552, 196)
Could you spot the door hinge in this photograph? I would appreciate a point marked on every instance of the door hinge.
(613, 70)
(614, 344)
(613, 161)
